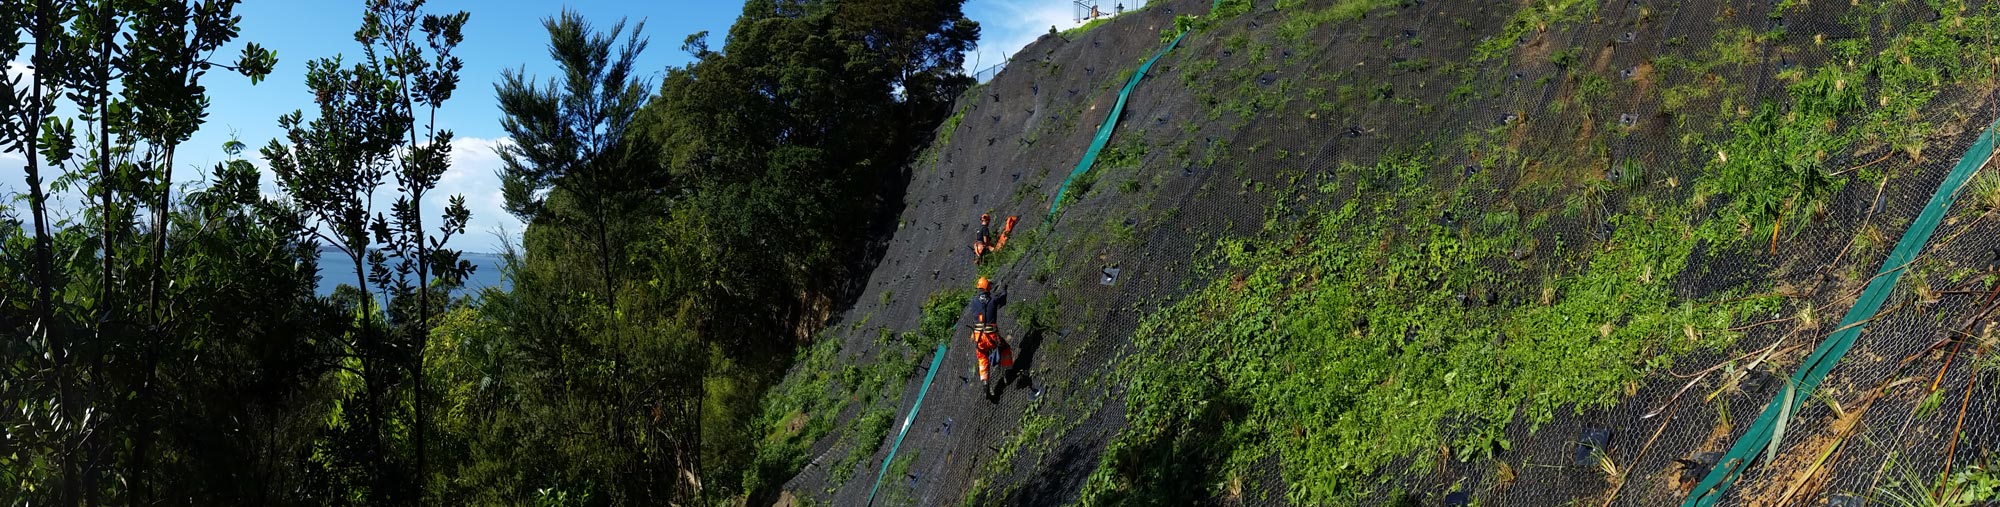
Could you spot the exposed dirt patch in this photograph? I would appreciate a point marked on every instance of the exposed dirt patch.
(1642, 77)
(1537, 49)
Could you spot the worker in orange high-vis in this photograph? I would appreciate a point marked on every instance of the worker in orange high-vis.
(986, 337)
(986, 242)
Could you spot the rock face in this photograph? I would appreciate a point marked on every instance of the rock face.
(1556, 129)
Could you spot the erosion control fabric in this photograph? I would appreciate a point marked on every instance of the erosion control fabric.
(936, 358)
(1110, 124)
(1082, 166)
(1544, 247)
(1821, 361)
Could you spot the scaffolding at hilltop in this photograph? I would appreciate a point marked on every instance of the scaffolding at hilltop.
(1091, 10)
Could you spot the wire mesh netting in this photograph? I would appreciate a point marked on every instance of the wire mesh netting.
(1626, 100)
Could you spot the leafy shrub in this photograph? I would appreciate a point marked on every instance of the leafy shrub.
(796, 413)
(941, 313)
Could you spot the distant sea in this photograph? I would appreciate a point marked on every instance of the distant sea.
(336, 269)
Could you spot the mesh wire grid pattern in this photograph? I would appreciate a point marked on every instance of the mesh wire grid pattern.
(1022, 128)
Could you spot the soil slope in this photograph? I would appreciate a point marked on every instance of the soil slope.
(1770, 152)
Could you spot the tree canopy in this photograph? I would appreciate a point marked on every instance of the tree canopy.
(684, 237)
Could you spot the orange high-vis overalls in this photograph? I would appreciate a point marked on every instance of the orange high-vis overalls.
(986, 243)
(986, 336)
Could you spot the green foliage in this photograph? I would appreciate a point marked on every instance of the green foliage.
(332, 169)
(944, 136)
(1565, 58)
(1222, 10)
(1537, 16)
(1973, 486)
(1297, 24)
(1914, 67)
(1418, 64)
(1984, 198)
(1356, 307)
(1771, 165)
(1194, 71)
(1085, 27)
(1348, 352)
(1126, 154)
(863, 440)
(684, 238)
(941, 313)
(1676, 98)
(1976, 485)
(795, 413)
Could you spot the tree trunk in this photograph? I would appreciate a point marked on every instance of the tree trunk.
(142, 448)
(58, 347)
(423, 332)
(370, 378)
(106, 307)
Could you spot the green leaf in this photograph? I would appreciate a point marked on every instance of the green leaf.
(1784, 419)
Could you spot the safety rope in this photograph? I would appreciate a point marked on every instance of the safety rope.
(1822, 360)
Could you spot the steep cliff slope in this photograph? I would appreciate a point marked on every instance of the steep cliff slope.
(1367, 252)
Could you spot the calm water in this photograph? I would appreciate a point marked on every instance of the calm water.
(336, 269)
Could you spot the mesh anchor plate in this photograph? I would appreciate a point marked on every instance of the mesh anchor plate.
(1110, 276)
(1692, 470)
(1458, 499)
(1591, 446)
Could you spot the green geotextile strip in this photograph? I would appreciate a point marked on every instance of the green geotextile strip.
(936, 359)
(1822, 360)
(1110, 123)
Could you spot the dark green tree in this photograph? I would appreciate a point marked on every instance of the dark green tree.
(788, 144)
(368, 131)
(570, 133)
(426, 75)
(578, 177)
(43, 391)
(102, 327)
(165, 56)
(331, 169)
(239, 401)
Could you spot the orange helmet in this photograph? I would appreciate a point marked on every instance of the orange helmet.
(985, 218)
(984, 284)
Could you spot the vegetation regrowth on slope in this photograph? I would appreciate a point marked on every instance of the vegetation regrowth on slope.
(1372, 330)
(1356, 337)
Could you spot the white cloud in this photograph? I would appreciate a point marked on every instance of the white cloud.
(12, 175)
(18, 70)
(475, 164)
(1008, 25)
(12, 164)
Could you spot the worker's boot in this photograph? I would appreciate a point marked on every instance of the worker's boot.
(994, 383)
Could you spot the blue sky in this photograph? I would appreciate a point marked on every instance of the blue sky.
(502, 34)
